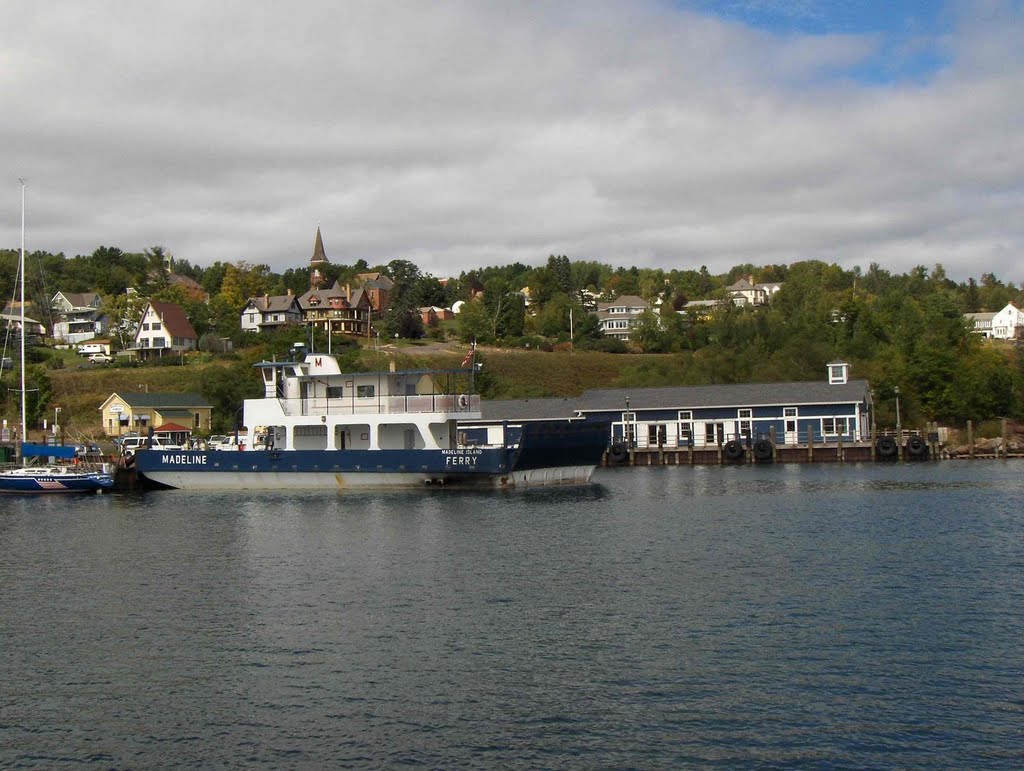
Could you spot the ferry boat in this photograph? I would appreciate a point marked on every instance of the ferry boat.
(316, 427)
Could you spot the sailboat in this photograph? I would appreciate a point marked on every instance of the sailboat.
(51, 478)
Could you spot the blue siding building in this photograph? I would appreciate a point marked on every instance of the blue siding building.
(822, 412)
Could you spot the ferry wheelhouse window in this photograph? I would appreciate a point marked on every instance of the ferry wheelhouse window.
(365, 391)
(335, 392)
(835, 426)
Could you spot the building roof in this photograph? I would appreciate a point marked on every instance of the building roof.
(174, 318)
(728, 395)
(189, 284)
(78, 299)
(678, 398)
(375, 281)
(628, 300)
(168, 428)
(165, 402)
(319, 255)
(321, 298)
(270, 303)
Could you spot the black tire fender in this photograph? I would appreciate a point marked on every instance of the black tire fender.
(617, 453)
(916, 446)
(733, 450)
(886, 447)
(763, 449)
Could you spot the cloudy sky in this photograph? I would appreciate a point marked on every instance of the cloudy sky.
(461, 134)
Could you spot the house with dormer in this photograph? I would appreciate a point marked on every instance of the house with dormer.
(618, 317)
(163, 329)
(746, 292)
(1006, 324)
(77, 316)
(269, 312)
(336, 310)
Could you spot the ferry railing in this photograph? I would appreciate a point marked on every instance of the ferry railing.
(382, 405)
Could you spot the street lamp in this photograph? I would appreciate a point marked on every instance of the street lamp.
(627, 424)
(899, 432)
(871, 393)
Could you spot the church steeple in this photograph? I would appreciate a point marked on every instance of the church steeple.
(317, 262)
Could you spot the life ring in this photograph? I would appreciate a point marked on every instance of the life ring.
(886, 447)
(617, 453)
(763, 450)
(916, 447)
(463, 401)
(733, 450)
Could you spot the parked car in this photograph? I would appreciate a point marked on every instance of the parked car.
(100, 358)
(128, 435)
(231, 442)
(132, 444)
(215, 441)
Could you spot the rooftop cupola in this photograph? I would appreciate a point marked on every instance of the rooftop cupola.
(838, 372)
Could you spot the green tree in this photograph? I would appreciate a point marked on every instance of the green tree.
(473, 323)
(226, 388)
(124, 312)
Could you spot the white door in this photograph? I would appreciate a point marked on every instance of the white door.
(792, 436)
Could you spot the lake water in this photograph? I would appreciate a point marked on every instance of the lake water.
(790, 616)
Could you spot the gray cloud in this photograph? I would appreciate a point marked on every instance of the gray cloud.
(457, 134)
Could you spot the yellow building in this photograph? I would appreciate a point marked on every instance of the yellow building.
(123, 413)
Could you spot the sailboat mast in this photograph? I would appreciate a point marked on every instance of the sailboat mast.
(21, 277)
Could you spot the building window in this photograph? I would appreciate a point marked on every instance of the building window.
(195, 420)
(746, 422)
(629, 427)
(685, 427)
(656, 434)
(835, 426)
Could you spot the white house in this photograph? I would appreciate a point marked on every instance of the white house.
(746, 292)
(618, 317)
(1007, 324)
(78, 316)
(271, 312)
(164, 328)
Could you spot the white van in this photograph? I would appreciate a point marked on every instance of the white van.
(88, 349)
(132, 444)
